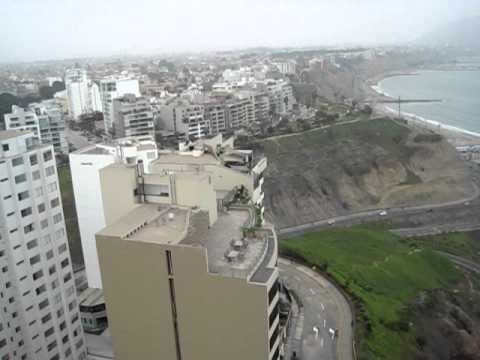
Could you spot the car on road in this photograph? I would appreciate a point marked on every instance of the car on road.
(382, 213)
(331, 222)
(466, 203)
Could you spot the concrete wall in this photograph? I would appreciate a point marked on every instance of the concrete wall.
(89, 205)
(117, 185)
(218, 317)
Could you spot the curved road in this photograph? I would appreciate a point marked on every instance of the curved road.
(325, 308)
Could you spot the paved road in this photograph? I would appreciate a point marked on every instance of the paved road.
(323, 307)
(372, 215)
(76, 139)
(435, 229)
(462, 262)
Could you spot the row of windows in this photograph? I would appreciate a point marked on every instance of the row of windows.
(21, 178)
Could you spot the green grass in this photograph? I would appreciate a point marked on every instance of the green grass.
(464, 244)
(383, 274)
(70, 213)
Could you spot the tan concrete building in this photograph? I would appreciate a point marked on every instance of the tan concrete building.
(228, 167)
(183, 279)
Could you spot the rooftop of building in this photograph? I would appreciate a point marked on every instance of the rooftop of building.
(142, 143)
(91, 297)
(229, 252)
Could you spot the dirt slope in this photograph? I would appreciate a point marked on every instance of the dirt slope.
(370, 164)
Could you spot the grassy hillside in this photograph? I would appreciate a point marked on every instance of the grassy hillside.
(71, 222)
(384, 274)
(368, 164)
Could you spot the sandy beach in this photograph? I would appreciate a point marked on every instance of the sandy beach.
(456, 136)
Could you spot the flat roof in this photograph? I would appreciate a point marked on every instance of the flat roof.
(151, 223)
(91, 297)
(167, 224)
(178, 158)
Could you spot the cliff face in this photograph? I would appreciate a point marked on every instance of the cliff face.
(368, 164)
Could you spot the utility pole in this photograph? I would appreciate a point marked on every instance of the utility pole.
(399, 108)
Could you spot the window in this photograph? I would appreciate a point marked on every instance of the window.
(36, 175)
(49, 254)
(52, 345)
(49, 332)
(67, 277)
(37, 275)
(52, 270)
(44, 223)
(54, 203)
(28, 229)
(41, 207)
(62, 248)
(32, 243)
(63, 325)
(60, 313)
(55, 284)
(26, 211)
(33, 159)
(49, 171)
(52, 187)
(40, 290)
(38, 191)
(46, 318)
(35, 259)
(17, 161)
(5, 147)
(64, 263)
(47, 156)
(43, 304)
(23, 195)
(20, 178)
(59, 233)
(65, 339)
(57, 218)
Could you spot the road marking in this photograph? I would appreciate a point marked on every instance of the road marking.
(321, 342)
(315, 330)
(324, 323)
(323, 307)
(312, 291)
(332, 332)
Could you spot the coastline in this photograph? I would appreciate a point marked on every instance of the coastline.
(455, 135)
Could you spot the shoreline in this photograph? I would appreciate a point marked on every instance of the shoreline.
(455, 135)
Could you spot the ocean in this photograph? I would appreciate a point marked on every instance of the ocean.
(459, 91)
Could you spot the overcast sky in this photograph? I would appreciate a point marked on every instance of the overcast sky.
(53, 29)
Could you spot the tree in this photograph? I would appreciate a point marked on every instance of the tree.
(58, 86)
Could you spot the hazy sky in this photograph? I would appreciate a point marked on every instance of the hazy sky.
(52, 29)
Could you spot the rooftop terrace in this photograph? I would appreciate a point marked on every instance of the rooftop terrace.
(229, 252)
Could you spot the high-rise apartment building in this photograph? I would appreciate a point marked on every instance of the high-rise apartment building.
(113, 87)
(45, 119)
(39, 316)
(76, 84)
(85, 165)
(200, 268)
(132, 116)
(185, 117)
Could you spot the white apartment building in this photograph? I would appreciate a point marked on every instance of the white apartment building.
(76, 84)
(286, 67)
(83, 94)
(280, 94)
(85, 165)
(113, 87)
(39, 316)
(182, 116)
(132, 116)
(44, 119)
